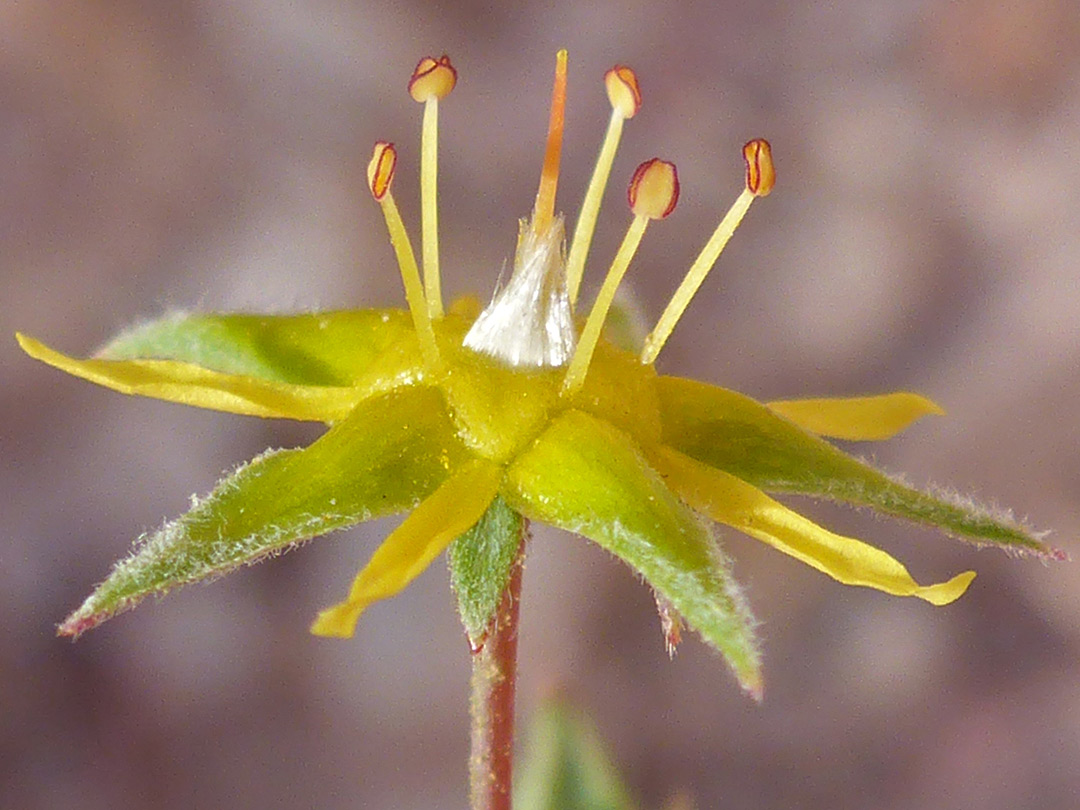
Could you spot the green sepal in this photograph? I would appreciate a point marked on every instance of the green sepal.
(388, 454)
(325, 348)
(480, 562)
(739, 435)
(587, 477)
(565, 765)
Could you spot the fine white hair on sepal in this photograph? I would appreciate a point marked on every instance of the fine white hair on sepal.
(529, 321)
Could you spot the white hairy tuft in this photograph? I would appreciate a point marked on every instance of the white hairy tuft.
(529, 321)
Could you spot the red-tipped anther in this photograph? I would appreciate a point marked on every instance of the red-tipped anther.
(623, 90)
(380, 171)
(432, 78)
(760, 173)
(654, 189)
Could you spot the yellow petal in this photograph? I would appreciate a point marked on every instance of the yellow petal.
(447, 513)
(189, 384)
(857, 418)
(732, 501)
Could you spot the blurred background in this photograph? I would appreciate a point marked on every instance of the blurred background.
(923, 235)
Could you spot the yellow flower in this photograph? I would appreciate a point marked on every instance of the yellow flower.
(474, 422)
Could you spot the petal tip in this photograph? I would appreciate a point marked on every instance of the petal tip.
(338, 621)
(947, 592)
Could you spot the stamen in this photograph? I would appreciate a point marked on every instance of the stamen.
(760, 177)
(380, 173)
(544, 210)
(624, 93)
(432, 80)
(653, 192)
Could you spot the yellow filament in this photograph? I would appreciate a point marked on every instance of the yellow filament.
(410, 277)
(429, 212)
(695, 276)
(590, 208)
(579, 363)
(544, 210)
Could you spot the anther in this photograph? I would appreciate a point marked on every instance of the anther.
(654, 189)
(623, 90)
(760, 173)
(432, 80)
(760, 177)
(653, 193)
(624, 93)
(380, 176)
(380, 170)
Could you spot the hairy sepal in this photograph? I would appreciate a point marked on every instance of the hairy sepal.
(738, 435)
(387, 455)
(587, 477)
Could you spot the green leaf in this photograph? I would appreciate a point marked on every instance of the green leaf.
(738, 435)
(565, 765)
(587, 477)
(388, 454)
(480, 562)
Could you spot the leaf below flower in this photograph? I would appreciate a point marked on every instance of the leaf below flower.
(480, 563)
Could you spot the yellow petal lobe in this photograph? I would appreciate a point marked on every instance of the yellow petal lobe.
(189, 384)
(733, 502)
(857, 418)
(441, 518)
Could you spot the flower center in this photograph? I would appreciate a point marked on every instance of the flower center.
(529, 326)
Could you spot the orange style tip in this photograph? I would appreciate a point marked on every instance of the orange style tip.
(760, 172)
(380, 171)
(654, 189)
(432, 78)
(623, 90)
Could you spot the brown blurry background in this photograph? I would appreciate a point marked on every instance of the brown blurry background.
(923, 236)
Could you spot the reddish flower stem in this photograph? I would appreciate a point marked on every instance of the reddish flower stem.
(494, 674)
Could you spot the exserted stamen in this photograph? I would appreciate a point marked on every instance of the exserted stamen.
(760, 177)
(624, 93)
(380, 174)
(432, 80)
(544, 210)
(653, 193)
